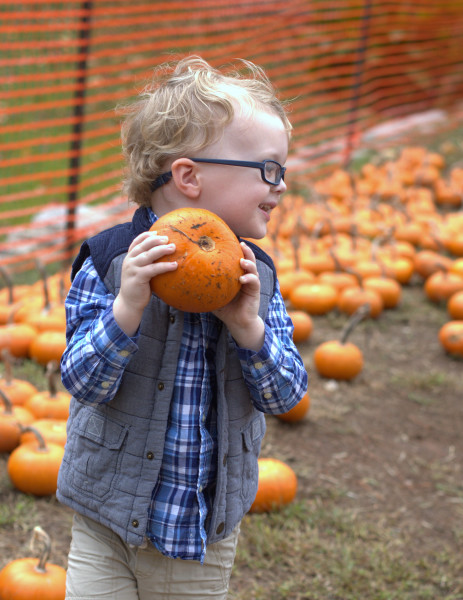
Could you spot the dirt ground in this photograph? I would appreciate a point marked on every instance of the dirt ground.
(388, 443)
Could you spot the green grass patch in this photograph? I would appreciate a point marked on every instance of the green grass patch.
(317, 550)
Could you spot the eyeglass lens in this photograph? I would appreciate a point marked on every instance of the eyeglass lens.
(272, 171)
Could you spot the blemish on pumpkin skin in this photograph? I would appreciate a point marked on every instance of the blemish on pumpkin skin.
(197, 226)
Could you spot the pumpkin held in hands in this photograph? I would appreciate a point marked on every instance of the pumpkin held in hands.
(208, 254)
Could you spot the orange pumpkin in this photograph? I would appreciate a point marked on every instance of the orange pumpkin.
(34, 578)
(18, 390)
(33, 467)
(298, 412)
(277, 486)
(427, 262)
(17, 338)
(388, 288)
(208, 254)
(341, 360)
(52, 430)
(303, 325)
(47, 346)
(290, 279)
(50, 404)
(340, 280)
(451, 337)
(10, 417)
(352, 298)
(455, 306)
(457, 267)
(314, 298)
(441, 285)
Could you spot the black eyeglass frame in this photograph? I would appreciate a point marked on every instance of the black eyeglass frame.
(166, 177)
(246, 163)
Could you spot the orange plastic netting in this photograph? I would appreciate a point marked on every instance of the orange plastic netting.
(346, 66)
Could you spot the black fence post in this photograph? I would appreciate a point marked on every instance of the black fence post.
(356, 88)
(77, 128)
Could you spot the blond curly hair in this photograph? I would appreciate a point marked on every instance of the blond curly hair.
(185, 108)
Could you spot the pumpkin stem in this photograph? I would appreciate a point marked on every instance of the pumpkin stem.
(9, 282)
(337, 265)
(52, 369)
(354, 320)
(296, 248)
(7, 402)
(434, 235)
(39, 535)
(205, 242)
(356, 275)
(439, 266)
(44, 276)
(41, 440)
(354, 236)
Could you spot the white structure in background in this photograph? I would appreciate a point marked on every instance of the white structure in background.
(47, 227)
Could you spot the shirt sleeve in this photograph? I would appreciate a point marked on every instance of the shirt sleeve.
(97, 349)
(276, 375)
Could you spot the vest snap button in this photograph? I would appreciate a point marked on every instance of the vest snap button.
(150, 455)
(220, 528)
(135, 523)
(160, 386)
(172, 318)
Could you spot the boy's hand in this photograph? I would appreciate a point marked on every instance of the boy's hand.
(138, 269)
(241, 314)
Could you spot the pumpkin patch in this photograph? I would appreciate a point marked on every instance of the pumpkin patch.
(363, 242)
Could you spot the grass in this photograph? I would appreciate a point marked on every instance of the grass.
(22, 511)
(319, 551)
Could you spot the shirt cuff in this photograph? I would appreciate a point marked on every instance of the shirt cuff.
(259, 364)
(111, 342)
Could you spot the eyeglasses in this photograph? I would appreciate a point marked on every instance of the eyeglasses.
(271, 171)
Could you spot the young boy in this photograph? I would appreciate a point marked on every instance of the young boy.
(167, 415)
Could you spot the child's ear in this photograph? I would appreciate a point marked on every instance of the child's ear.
(185, 176)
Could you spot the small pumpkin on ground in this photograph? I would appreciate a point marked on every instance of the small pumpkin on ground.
(18, 390)
(10, 417)
(17, 338)
(277, 486)
(455, 306)
(352, 298)
(50, 404)
(208, 254)
(314, 298)
(32, 578)
(33, 466)
(48, 345)
(442, 284)
(303, 325)
(388, 288)
(298, 412)
(52, 430)
(451, 337)
(341, 360)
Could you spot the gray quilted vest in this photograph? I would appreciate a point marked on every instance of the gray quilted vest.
(113, 452)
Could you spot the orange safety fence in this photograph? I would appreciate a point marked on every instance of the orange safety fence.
(347, 67)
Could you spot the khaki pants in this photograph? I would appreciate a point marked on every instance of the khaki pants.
(103, 567)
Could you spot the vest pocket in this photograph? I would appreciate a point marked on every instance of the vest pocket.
(97, 454)
(252, 436)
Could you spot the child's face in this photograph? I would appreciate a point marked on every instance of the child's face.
(238, 194)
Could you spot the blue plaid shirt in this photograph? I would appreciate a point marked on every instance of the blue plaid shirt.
(93, 365)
